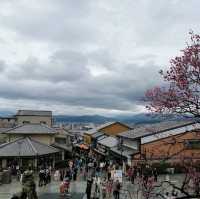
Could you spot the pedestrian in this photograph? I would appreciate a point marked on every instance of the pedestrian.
(166, 196)
(28, 185)
(41, 178)
(109, 187)
(89, 188)
(155, 174)
(75, 173)
(103, 188)
(47, 176)
(116, 189)
(95, 191)
(109, 172)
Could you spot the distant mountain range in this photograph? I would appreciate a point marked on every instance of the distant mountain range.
(98, 119)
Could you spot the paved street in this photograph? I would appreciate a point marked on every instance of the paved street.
(51, 191)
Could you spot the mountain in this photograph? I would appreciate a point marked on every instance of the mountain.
(98, 119)
(6, 113)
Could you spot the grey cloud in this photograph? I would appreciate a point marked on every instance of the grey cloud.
(54, 48)
(62, 66)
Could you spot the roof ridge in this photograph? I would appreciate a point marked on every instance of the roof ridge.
(41, 143)
(18, 126)
(7, 143)
(29, 140)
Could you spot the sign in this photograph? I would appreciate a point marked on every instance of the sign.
(118, 175)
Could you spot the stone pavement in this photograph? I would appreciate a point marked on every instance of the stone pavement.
(50, 191)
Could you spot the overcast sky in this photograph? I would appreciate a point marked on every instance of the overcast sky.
(88, 56)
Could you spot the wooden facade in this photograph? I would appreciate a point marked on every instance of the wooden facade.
(111, 129)
(175, 148)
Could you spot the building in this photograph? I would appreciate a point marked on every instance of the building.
(110, 129)
(170, 141)
(34, 116)
(34, 130)
(38, 132)
(7, 122)
(27, 152)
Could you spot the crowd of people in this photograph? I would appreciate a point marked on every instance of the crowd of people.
(99, 175)
(44, 176)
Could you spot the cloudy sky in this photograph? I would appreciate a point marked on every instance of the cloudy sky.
(88, 56)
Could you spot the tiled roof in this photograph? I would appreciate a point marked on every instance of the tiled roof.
(4, 129)
(126, 152)
(62, 146)
(97, 134)
(31, 129)
(25, 147)
(149, 129)
(34, 113)
(109, 141)
(99, 128)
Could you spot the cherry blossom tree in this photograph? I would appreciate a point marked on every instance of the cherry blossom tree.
(181, 91)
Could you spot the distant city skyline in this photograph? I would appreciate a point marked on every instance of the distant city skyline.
(88, 57)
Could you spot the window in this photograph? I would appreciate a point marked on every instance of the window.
(26, 122)
(43, 122)
(192, 144)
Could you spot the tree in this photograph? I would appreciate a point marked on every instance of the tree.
(181, 90)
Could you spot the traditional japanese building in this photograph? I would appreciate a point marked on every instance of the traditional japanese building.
(171, 141)
(27, 152)
(110, 129)
(34, 117)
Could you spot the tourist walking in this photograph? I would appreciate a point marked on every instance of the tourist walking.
(109, 187)
(116, 189)
(155, 174)
(41, 178)
(103, 188)
(89, 188)
(28, 185)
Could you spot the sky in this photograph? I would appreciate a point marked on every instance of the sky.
(89, 57)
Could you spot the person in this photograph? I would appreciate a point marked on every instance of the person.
(103, 188)
(15, 196)
(28, 185)
(47, 176)
(95, 191)
(89, 188)
(174, 193)
(41, 178)
(65, 186)
(109, 188)
(155, 174)
(75, 173)
(166, 196)
(116, 189)
(109, 173)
